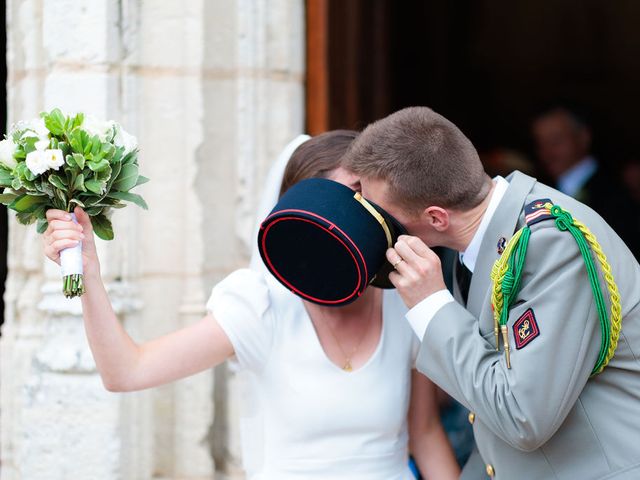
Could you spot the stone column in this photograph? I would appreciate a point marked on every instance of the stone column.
(58, 422)
(253, 84)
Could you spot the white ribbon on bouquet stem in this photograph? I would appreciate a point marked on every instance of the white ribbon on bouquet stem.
(71, 258)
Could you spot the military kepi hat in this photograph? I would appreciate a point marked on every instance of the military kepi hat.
(327, 243)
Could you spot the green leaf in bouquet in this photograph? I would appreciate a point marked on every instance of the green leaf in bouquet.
(7, 198)
(95, 186)
(61, 197)
(91, 199)
(130, 158)
(130, 197)
(104, 175)
(41, 211)
(29, 144)
(29, 185)
(6, 177)
(42, 225)
(55, 121)
(105, 201)
(93, 211)
(102, 227)
(77, 202)
(43, 185)
(78, 183)
(127, 178)
(26, 203)
(117, 156)
(96, 145)
(26, 218)
(115, 172)
(71, 161)
(108, 151)
(77, 120)
(80, 141)
(23, 172)
(98, 166)
(16, 184)
(58, 182)
(19, 154)
(141, 180)
(64, 146)
(79, 159)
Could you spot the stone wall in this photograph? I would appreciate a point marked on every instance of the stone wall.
(213, 90)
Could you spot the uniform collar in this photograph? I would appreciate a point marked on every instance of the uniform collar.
(501, 228)
(470, 255)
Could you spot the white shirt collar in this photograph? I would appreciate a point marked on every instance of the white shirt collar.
(470, 255)
(571, 181)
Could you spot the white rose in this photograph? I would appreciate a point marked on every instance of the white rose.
(37, 162)
(54, 158)
(125, 139)
(93, 126)
(7, 149)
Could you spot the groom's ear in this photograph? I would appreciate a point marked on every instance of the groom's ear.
(436, 217)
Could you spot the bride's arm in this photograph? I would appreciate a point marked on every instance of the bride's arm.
(428, 442)
(123, 364)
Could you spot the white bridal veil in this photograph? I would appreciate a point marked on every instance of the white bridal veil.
(270, 195)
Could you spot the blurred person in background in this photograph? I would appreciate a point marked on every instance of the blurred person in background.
(562, 139)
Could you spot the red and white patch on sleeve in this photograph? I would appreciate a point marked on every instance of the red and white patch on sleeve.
(525, 329)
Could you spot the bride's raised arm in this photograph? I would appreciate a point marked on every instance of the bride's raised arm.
(123, 364)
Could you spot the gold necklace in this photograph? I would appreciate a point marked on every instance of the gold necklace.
(347, 367)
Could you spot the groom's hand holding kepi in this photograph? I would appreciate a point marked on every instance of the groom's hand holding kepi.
(418, 271)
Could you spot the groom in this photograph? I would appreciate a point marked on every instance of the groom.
(544, 415)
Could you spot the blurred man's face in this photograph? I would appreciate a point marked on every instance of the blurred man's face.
(560, 142)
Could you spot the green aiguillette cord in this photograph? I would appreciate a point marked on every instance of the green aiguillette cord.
(511, 282)
(564, 222)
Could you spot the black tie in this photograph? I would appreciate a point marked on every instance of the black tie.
(463, 275)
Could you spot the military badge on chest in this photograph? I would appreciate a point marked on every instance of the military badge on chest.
(525, 329)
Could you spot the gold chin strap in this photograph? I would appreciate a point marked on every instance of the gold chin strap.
(371, 209)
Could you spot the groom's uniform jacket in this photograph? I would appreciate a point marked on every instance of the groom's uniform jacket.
(545, 418)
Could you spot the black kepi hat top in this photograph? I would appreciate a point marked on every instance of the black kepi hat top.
(327, 243)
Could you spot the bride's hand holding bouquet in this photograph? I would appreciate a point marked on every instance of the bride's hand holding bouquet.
(64, 233)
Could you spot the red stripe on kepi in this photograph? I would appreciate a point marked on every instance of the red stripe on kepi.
(525, 329)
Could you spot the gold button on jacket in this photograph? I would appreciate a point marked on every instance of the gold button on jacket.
(490, 471)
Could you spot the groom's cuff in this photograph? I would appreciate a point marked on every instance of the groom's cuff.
(421, 314)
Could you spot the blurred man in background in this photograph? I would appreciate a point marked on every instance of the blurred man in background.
(563, 144)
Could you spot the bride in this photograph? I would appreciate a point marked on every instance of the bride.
(318, 418)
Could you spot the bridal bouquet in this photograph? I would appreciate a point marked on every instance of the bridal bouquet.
(59, 161)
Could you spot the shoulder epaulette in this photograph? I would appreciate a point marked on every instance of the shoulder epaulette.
(537, 211)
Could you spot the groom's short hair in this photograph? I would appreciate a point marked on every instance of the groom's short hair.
(424, 158)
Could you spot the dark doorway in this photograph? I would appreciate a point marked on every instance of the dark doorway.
(488, 65)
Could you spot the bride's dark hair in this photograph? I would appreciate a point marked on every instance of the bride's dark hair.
(317, 157)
